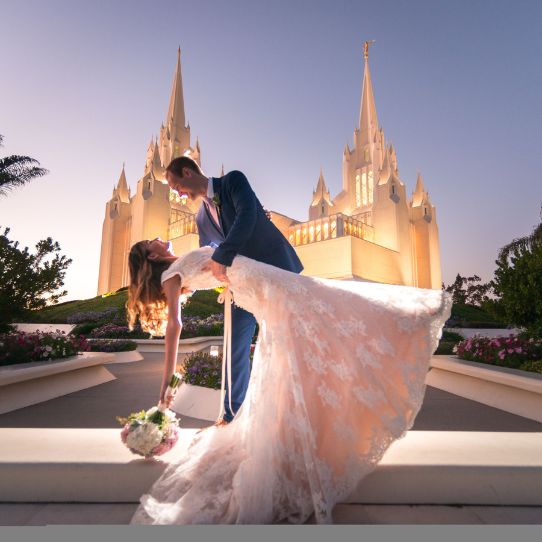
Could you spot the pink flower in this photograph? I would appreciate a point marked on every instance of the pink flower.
(124, 433)
(502, 354)
(519, 350)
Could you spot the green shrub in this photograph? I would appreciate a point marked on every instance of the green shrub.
(532, 366)
(451, 336)
(445, 348)
(84, 329)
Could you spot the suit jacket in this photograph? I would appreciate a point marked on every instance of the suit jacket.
(246, 230)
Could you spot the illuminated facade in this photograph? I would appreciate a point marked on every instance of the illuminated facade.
(371, 230)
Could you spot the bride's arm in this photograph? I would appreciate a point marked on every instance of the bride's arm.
(172, 290)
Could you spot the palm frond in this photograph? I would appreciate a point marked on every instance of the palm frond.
(18, 170)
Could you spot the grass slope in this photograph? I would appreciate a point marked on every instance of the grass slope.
(471, 316)
(203, 303)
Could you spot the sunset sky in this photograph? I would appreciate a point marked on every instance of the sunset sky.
(273, 89)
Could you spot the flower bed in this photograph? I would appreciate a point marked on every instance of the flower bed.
(20, 347)
(85, 317)
(514, 351)
(202, 369)
(111, 345)
(193, 326)
(115, 331)
(212, 326)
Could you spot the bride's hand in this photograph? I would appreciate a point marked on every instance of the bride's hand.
(166, 400)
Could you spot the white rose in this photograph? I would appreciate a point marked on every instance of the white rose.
(145, 438)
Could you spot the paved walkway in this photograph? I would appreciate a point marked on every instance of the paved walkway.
(138, 384)
(137, 387)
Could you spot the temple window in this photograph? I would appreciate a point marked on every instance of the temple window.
(358, 191)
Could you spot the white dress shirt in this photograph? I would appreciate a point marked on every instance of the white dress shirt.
(210, 203)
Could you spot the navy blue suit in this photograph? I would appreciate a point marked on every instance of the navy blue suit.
(246, 230)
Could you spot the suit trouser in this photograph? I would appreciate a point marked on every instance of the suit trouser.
(243, 326)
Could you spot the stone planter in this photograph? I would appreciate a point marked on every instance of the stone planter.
(511, 390)
(26, 384)
(126, 357)
(197, 402)
(195, 344)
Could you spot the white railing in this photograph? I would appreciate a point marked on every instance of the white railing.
(184, 224)
(329, 227)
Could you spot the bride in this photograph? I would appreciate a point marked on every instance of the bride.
(338, 374)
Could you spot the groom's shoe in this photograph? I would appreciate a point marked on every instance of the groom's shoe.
(221, 423)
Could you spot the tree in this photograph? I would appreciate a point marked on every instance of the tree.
(467, 291)
(518, 281)
(17, 170)
(29, 281)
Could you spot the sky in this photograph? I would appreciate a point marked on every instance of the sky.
(273, 88)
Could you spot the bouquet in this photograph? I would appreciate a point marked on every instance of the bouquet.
(155, 431)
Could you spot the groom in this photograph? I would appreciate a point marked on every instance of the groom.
(232, 220)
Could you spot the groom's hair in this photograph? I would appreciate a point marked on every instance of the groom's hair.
(177, 164)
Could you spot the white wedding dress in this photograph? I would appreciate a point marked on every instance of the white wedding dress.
(338, 375)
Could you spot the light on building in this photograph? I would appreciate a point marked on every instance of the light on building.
(214, 351)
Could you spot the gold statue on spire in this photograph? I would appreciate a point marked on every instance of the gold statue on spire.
(366, 48)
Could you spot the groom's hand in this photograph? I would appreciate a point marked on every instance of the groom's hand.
(218, 270)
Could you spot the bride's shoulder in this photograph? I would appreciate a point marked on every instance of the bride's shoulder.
(174, 269)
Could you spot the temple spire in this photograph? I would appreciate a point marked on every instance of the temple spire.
(368, 120)
(419, 184)
(175, 116)
(122, 187)
(321, 192)
(419, 192)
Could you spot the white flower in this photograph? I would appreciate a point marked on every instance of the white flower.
(49, 348)
(144, 438)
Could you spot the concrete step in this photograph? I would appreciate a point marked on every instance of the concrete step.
(36, 514)
(425, 467)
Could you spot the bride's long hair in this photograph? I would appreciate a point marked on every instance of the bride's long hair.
(146, 299)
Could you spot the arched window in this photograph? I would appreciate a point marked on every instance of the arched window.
(364, 189)
(371, 183)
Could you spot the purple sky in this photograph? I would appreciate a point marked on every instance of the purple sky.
(273, 89)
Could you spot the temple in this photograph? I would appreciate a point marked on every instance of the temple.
(371, 230)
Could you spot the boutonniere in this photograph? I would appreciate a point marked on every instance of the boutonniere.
(216, 200)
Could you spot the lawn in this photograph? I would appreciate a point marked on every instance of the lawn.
(203, 303)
